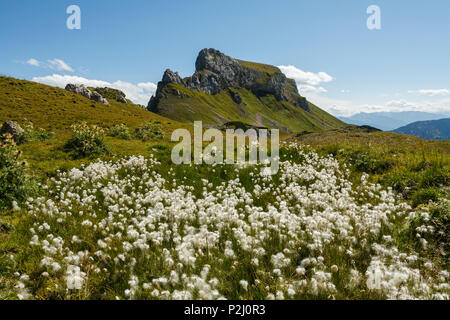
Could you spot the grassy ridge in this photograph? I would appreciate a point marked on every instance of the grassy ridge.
(260, 67)
(187, 105)
(55, 110)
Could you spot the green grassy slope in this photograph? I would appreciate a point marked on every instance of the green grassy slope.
(186, 105)
(56, 110)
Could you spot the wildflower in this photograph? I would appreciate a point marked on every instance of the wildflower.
(300, 271)
(74, 278)
(134, 217)
(102, 244)
(15, 207)
(244, 284)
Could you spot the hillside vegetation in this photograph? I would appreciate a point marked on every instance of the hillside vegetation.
(104, 213)
(405, 163)
(56, 110)
(186, 105)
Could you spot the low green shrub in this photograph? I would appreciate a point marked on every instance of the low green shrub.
(440, 215)
(424, 196)
(31, 134)
(87, 141)
(435, 176)
(150, 131)
(408, 180)
(402, 182)
(360, 160)
(120, 131)
(15, 182)
(369, 164)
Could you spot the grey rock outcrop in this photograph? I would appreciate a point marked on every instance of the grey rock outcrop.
(98, 97)
(216, 71)
(112, 94)
(12, 128)
(168, 77)
(85, 92)
(172, 77)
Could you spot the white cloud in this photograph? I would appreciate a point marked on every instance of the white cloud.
(303, 77)
(62, 80)
(54, 64)
(337, 107)
(138, 93)
(439, 106)
(347, 108)
(149, 86)
(431, 92)
(308, 88)
(59, 65)
(400, 104)
(307, 82)
(33, 62)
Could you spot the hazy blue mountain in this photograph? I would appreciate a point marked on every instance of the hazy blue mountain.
(388, 121)
(432, 130)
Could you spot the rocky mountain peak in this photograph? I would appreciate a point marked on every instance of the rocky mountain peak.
(172, 77)
(216, 71)
(218, 63)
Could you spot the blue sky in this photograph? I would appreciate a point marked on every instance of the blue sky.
(338, 63)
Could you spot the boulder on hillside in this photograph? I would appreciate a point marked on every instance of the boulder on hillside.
(85, 92)
(112, 94)
(98, 97)
(13, 128)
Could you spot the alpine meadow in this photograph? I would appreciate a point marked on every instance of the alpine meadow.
(109, 189)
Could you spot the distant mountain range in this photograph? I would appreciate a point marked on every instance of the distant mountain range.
(388, 121)
(432, 130)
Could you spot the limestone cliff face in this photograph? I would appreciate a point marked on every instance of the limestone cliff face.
(216, 71)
